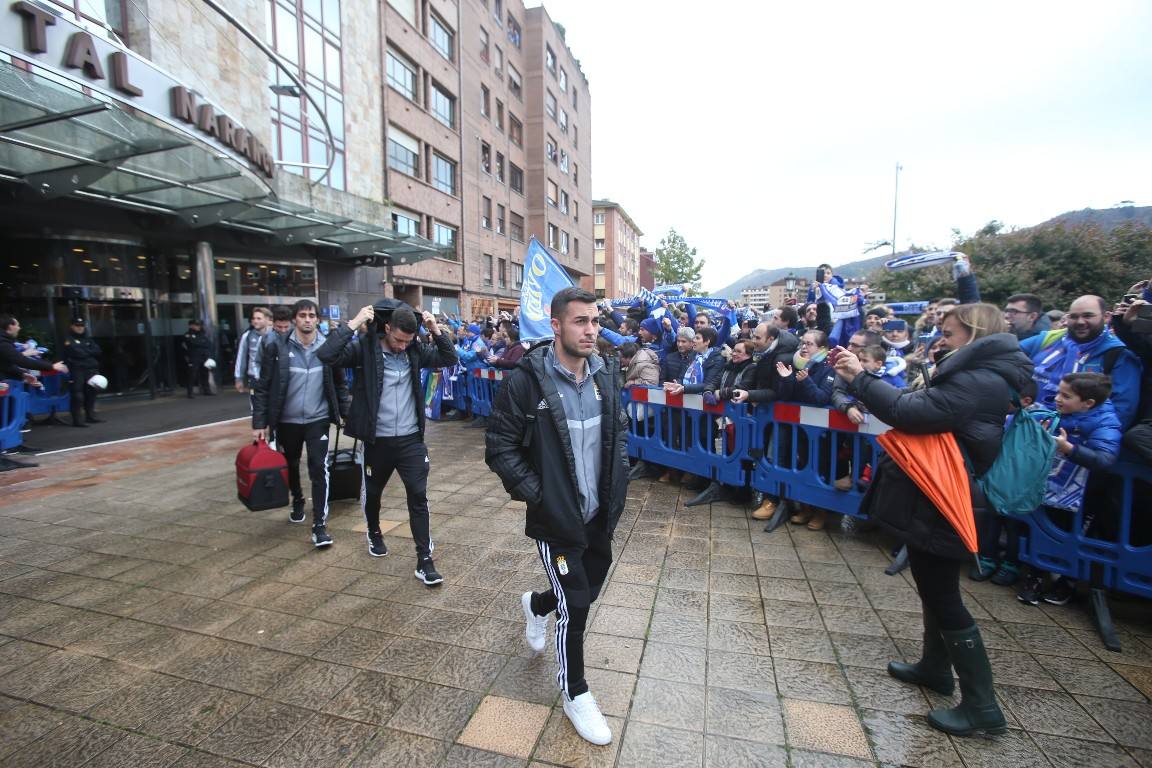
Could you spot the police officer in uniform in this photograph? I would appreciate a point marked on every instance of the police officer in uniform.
(197, 350)
(82, 356)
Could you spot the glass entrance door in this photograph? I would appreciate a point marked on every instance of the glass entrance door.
(122, 330)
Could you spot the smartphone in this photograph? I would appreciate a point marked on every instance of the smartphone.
(821, 276)
(834, 354)
(1130, 297)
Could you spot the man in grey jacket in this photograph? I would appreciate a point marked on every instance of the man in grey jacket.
(247, 370)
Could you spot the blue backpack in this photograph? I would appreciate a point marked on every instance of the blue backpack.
(1015, 484)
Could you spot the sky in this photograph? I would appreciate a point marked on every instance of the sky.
(768, 133)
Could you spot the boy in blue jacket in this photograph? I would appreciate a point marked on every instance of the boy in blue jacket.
(1088, 440)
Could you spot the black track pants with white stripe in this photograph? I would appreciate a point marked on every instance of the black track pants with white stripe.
(576, 575)
(291, 439)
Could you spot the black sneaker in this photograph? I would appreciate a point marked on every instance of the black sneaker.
(297, 513)
(376, 545)
(427, 573)
(320, 537)
(1061, 592)
(1033, 590)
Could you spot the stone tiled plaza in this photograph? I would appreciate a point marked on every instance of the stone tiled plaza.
(148, 619)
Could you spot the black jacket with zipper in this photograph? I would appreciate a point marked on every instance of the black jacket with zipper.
(528, 446)
(271, 389)
(344, 349)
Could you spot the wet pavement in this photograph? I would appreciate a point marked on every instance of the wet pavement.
(148, 619)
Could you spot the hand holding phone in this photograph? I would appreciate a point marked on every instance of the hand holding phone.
(835, 353)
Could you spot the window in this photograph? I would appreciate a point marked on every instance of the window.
(516, 178)
(513, 30)
(406, 8)
(514, 83)
(443, 40)
(484, 100)
(483, 45)
(516, 226)
(443, 106)
(405, 223)
(498, 11)
(598, 217)
(444, 235)
(403, 152)
(485, 157)
(502, 274)
(402, 74)
(563, 80)
(515, 130)
(563, 241)
(599, 269)
(550, 149)
(499, 115)
(443, 174)
(575, 175)
(576, 136)
(517, 275)
(550, 59)
(576, 210)
(564, 121)
(486, 212)
(500, 167)
(499, 219)
(488, 269)
(499, 61)
(563, 201)
(553, 236)
(564, 161)
(550, 104)
(552, 195)
(576, 246)
(575, 106)
(598, 244)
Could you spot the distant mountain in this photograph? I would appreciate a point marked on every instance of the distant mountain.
(762, 277)
(1107, 219)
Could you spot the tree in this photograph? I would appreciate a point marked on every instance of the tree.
(676, 263)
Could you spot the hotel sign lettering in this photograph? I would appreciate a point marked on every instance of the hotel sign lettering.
(129, 78)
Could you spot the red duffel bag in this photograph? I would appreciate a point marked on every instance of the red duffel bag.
(261, 477)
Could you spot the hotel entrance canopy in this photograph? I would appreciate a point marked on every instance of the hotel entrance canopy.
(138, 139)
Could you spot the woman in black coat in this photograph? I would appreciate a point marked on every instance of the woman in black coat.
(969, 395)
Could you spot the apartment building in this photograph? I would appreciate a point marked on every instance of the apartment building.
(615, 252)
(647, 269)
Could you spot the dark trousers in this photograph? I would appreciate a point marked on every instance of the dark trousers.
(409, 456)
(576, 575)
(198, 374)
(291, 439)
(938, 582)
(82, 395)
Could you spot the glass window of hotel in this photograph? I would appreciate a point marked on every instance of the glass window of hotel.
(444, 235)
(498, 11)
(405, 223)
(552, 194)
(499, 60)
(486, 212)
(443, 174)
(484, 100)
(483, 45)
(563, 201)
(563, 121)
(499, 115)
(550, 104)
(487, 269)
(485, 157)
(406, 8)
(513, 30)
(401, 74)
(443, 105)
(563, 241)
(550, 59)
(502, 274)
(516, 226)
(110, 12)
(517, 275)
(516, 178)
(403, 152)
(598, 217)
(298, 137)
(553, 236)
(563, 79)
(514, 83)
(515, 130)
(443, 40)
(499, 219)
(550, 149)
(500, 167)
(564, 160)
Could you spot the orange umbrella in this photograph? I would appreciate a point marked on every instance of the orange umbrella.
(935, 464)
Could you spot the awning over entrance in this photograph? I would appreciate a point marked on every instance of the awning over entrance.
(56, 140)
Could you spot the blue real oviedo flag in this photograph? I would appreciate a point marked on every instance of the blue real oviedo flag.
(543, 277)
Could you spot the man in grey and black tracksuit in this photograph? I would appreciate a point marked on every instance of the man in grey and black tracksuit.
(247, 371)
(297, 396)
(556, 438)
(387, 412)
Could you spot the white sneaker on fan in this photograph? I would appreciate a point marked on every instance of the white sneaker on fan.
(535, 627)
(584, 714)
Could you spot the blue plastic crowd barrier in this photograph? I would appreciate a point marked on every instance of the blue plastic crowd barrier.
(52, 398)
(482, 386)
(13, 412)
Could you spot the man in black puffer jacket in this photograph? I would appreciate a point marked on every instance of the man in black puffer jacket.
(556, 438)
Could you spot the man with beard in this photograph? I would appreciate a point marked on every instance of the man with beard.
(1086, 346)
(556, 439)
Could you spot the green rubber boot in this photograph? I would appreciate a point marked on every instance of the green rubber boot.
(934, 670)
(978, 710)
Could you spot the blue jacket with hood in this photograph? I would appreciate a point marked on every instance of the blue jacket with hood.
(1095, 436)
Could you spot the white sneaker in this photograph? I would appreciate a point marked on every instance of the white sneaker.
(584, 714)
(535, 627)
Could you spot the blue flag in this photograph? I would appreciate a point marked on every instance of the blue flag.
(543, 277)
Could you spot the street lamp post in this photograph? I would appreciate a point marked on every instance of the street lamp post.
(895, 205)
